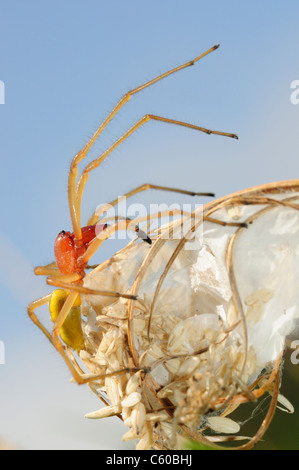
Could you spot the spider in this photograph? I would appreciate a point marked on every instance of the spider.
(73, 250)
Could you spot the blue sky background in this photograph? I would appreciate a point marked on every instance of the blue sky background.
(65, 65)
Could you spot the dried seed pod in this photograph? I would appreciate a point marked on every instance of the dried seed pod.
(219, 343)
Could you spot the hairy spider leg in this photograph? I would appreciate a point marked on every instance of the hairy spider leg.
(95, 163)
(69, 282)
(130, 224)
(144, 187)
(72, 193)
(32, 307)
(52, 270)
(75, 192)
(54, 337)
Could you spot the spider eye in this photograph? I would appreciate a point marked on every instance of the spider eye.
(62, 233)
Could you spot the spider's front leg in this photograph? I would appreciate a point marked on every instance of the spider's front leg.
(31, 312)
(65, 313)
(73, 331)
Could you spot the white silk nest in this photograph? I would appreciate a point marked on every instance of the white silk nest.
(207, 331)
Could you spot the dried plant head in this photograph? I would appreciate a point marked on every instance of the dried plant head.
(207, 331)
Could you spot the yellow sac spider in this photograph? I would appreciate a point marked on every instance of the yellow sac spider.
(73, 250)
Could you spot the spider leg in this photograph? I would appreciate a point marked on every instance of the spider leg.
(54, 339)
(31, 309)
(84, 290)
(46, 271)
(95, 163)
(75, 217)
(57, 330)
(225, 224)
(144, 187)
(79, 378)
(125, 224)
(70, 278)
(130, 224)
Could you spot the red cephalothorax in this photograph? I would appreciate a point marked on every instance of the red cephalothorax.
(68, 250)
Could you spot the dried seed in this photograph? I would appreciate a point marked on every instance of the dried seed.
(225, 425)
(133, 384)
(138, 417)
(261, 295)
(156, 417)
(129, 436)
(188, 366)
(232, 315)
(117, 310)
(131, 400)
(254, 313)
(173, 365)
(288, 407)
(105, 412)
(145, 442)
